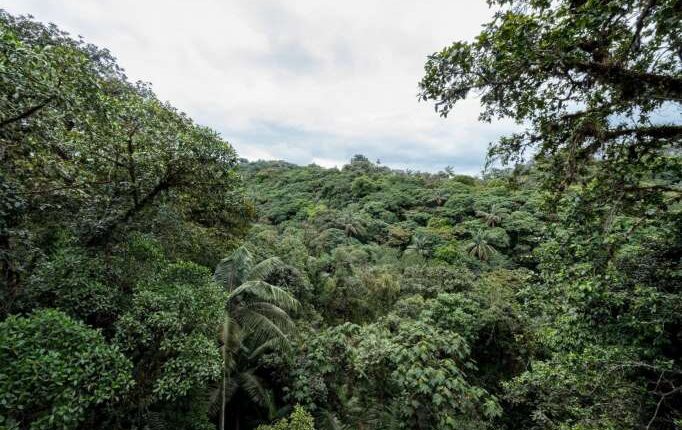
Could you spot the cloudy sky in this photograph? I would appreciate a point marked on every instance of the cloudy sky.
(301, 80)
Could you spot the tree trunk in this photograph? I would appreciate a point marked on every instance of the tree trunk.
(225, 334)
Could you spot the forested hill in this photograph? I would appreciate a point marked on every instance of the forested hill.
(449, 301)
(149, 279)
(367, 205)
(406, 279)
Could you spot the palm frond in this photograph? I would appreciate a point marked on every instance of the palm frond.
(255, 389)
(156, 421)
(329, 421)
(232, 270)
(229, 331)
(231, 387)
(262, 270)
(255, 321)
(259, 328)
(266, 292)
(380, 417)
(276, 314)
(274, 344)
(231, 339)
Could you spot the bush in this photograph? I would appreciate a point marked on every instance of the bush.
(176, 316)
(300, 419)
(54, 370)
(72, 281)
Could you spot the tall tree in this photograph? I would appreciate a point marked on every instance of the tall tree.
(591, 78)
(87, 152)
(599, 86)
(256, 320)
(88, 161)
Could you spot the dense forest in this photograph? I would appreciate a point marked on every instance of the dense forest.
(152, 279)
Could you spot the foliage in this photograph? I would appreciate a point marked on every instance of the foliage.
(389, 270)
(299, 420)
(113, 205)
(590, 78)
(170, 331)
(542, 296)
(87, 153)
(255, 322)
(72, 281)
(479, 246)
(598, 85)
(54, 371)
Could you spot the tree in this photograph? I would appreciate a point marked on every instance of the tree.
(73, 282)
(494, 216)
(89, 161)
(428, 281)
(88, 152)
(433, 392)
(54, 371)
(576, 380)
(362, 186)
(170, 330)
(440, 196)
(590, 78)
(352, 224)
(479, 246)
(421, 245)
(411, 370)
(255, 320)
(596, 83)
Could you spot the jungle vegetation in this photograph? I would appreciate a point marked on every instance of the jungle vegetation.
(151, 279)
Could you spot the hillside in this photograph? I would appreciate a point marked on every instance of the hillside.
(422, 290)
(396, 272)
(151, 279)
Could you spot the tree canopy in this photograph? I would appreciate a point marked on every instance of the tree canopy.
(150, 279)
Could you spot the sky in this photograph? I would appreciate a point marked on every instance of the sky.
(307, 81)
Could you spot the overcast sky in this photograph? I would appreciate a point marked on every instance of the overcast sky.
(300, 80)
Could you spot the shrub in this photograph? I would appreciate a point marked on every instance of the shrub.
(54, 370)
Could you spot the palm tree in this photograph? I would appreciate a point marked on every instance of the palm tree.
(421, 245)
(256, 320)
(479, 246)
(440, 196)
(494, 216)
(352, 224)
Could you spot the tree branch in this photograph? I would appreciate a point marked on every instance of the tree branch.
(670, 87)
(668, 131)
(26, 113)
(103, 236)
(636, 37)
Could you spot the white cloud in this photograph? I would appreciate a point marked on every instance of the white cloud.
(301, 80)
(328, 163)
